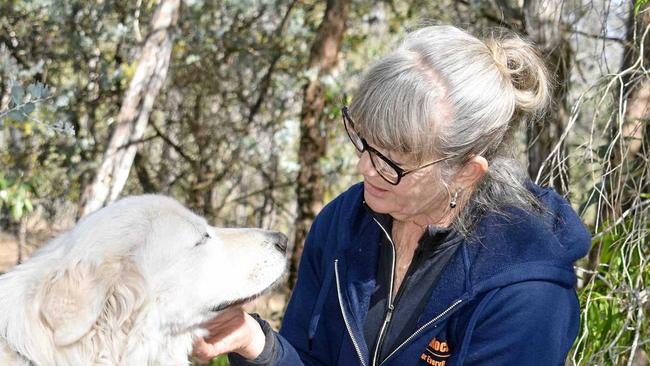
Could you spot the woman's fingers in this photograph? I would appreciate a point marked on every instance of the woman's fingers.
(231, 331)
(203, 351)
(228, 318)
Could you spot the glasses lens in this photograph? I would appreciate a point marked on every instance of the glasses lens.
(352, 134)
(383, 168)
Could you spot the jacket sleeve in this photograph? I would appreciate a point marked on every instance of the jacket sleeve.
(529, 323)
(293, 340)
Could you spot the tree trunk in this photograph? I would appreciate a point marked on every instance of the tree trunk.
(153, 62)
(543, 25)
(313, 138)
(22, 240)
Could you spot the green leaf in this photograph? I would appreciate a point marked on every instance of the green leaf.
(17, 211)
(34, 90)
(29, 206)
(45, 92)
(17, 115)
(638, 4)
(220, 361)
(28, 108)
(17, 94)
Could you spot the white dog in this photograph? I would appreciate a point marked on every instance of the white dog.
(131, 285)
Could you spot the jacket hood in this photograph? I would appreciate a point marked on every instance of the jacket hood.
(526, 245)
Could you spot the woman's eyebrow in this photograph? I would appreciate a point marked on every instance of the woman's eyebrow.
(391, 155)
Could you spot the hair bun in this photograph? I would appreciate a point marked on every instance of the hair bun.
(521, 65)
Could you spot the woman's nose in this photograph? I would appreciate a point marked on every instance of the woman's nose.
(364, 165)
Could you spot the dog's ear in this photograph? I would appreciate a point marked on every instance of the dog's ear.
(109, 294)
(73, 300)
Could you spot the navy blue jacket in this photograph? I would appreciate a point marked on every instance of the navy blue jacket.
(506, 297)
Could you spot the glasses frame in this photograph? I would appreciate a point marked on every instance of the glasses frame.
(347, 120)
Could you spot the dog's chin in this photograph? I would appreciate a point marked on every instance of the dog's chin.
(237, 302)
(242, 300)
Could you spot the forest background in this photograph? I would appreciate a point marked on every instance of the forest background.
(233, 107)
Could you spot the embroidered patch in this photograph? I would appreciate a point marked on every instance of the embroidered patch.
(436, 353)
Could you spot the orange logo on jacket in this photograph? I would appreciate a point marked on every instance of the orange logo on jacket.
(436, 353)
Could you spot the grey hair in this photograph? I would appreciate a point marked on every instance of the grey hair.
(445, 93)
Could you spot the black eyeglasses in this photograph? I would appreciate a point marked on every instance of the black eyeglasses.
(387, 169)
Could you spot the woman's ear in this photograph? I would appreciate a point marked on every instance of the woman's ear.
(472, 172)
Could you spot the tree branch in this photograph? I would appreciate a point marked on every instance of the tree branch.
(171, 143)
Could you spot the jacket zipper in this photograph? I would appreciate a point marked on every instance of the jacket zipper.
(419, 330)
(389, 312)
(391, 309)
(345, 318)
(382, 333)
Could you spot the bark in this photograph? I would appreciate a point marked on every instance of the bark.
(309, 191)
(146, 182)
(22, 240)
(543, 26)
(153, 62)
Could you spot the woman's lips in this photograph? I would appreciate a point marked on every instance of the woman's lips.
(373, 190)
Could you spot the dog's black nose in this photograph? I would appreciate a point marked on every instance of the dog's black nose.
(280, 241)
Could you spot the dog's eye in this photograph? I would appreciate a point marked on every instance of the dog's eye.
(203, 240)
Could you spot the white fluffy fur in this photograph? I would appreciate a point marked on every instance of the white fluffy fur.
(130, 285)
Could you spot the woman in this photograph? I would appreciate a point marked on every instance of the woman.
(446, 254)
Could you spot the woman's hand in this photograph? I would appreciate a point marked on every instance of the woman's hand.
(233, 330)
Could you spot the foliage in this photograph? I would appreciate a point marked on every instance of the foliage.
(220, 361)
(615, 316)
(22, 106)
(15, 198)
(638, 5)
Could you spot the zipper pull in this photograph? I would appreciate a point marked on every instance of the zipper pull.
(389, 315)
(382, 332)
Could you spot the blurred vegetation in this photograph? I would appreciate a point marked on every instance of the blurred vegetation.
(220, 361)
(223, 132)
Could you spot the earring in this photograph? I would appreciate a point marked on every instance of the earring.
(454, 200)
